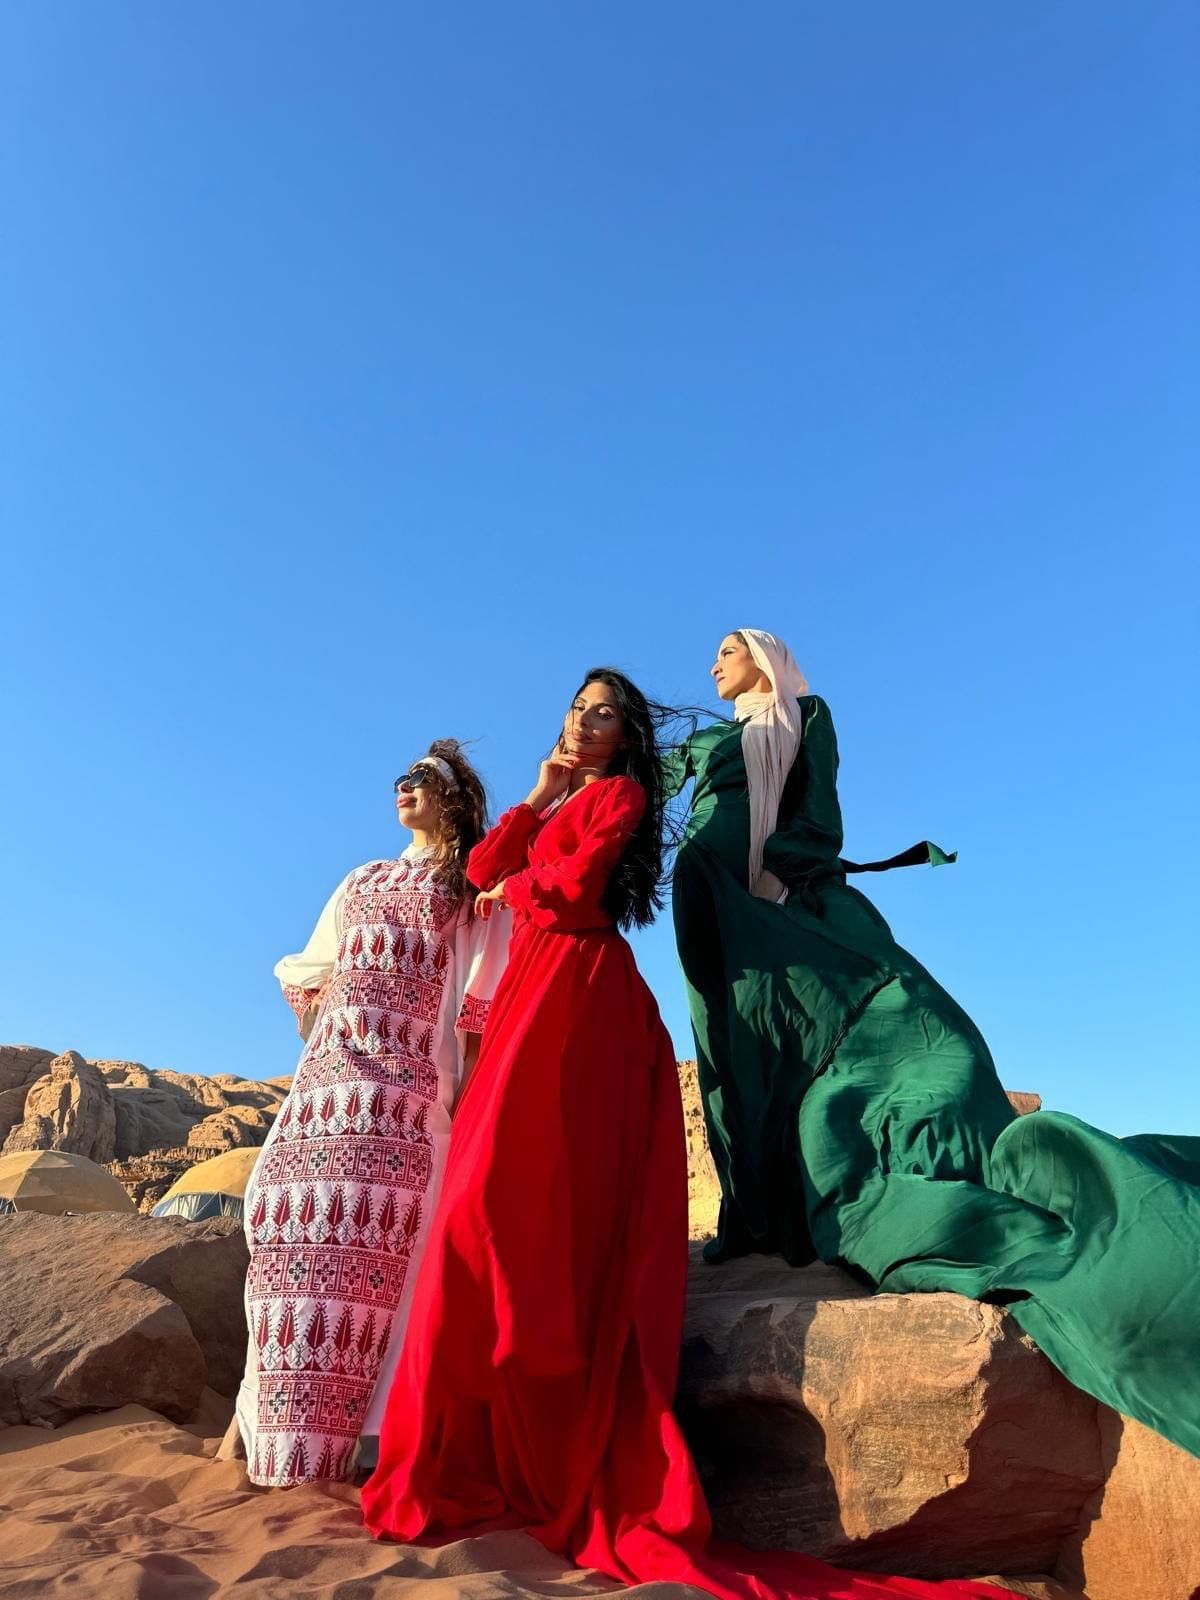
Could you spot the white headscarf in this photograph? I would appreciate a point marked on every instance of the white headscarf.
(770, 736)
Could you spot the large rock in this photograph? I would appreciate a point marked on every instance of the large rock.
(233, 1128)
(911, 1433)
(704, 1192)
(160, 1110)
(1138, 1537)
(21, 1065)
(146, 1179)
(70, 1109)
(104, 1310)
(154, 1110)
(201, 1266)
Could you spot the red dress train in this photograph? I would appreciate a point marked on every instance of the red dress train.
(540, 1360)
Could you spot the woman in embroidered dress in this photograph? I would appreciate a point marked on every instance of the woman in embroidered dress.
(852, 1106)
(536, 1380)
(391, 992)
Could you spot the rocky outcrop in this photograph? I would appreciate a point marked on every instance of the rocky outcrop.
(704, 1192)
(104, 1311)
(160, 1110)
(146, 1179)
(21, 1065)
(1137, 1538)
(69, 1108)
(148, 1126)
(1023, 1103)
(201, 1267)
(910, 1433)
(233, 1128)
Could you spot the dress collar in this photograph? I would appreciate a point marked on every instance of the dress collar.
(416, 852)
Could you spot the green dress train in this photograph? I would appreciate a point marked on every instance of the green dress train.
(854, 1112)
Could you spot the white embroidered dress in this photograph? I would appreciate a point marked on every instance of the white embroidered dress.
(339, 1203)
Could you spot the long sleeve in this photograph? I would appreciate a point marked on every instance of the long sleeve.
(504, 848)
(808, 839)
(676, 769)
(481, 957)
(301, 975)
(565, 894)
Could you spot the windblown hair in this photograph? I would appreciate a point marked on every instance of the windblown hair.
(634, 893)
(463, 816)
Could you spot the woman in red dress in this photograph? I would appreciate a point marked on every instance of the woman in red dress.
(539, 1366)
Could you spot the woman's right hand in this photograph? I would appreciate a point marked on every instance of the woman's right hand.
(487, 900)
(554, 775)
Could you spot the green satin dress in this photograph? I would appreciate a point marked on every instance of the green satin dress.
(854, 1112)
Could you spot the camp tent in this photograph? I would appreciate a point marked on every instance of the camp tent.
(54, 1182)
(213, 1189)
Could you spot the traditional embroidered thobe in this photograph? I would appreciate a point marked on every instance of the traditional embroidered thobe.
(339, 1203)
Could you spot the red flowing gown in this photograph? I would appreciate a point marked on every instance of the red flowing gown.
(540, 1361)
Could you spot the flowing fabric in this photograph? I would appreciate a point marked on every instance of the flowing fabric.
(854, 1112)
(537, 1376)
(771, 732)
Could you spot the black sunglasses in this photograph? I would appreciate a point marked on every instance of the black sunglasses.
(412, 780)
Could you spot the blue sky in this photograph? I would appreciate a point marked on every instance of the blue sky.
(370, 371)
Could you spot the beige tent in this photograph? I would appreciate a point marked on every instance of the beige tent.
(54, 1182)
(213, 1189)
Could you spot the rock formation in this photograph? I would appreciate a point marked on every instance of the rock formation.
(148, 1126)
(910, 1433)
(159, 1110)
(147, 1178)
(69, 1108)
(233, 1128)
(1137, 1537)
(21, 1065)
(104, 1311)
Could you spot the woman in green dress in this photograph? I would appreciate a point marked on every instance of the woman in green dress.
(853, 1109)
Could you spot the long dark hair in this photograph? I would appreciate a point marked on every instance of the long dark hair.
(463, 820)
(634, 893)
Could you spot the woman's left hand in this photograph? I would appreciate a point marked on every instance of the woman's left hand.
(487, 900)
(768, 887)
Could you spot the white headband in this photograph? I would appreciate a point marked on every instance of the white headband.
(443, 769)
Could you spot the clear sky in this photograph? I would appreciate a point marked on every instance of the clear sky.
(369, 371)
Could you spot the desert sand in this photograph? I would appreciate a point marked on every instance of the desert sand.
(125, 1504)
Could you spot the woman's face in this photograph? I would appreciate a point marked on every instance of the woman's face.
(735, 670)
(418, 802)
(594, 728)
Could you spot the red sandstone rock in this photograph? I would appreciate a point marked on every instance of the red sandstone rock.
(910, 1433)
(1139, 1536)
(21, 1065)
(70, 1109)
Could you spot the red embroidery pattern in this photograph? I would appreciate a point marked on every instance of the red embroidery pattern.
(299, 999)
(338, 1206)
(472, 1014)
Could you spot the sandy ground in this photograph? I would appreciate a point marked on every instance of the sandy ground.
(128, 1506)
